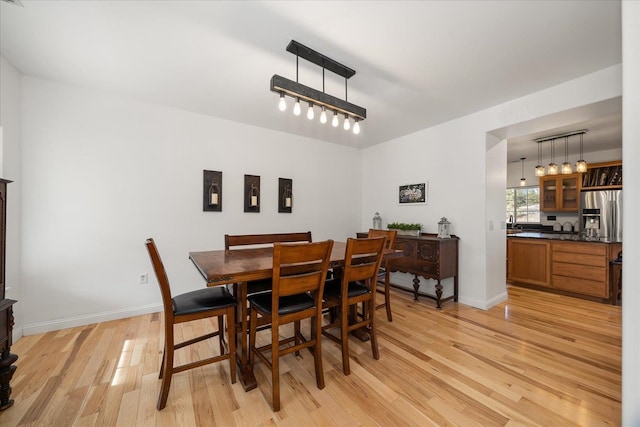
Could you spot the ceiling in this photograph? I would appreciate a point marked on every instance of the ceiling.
(418, 63)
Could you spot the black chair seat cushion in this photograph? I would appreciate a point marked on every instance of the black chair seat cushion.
(288, 304)
(255, 286)
(332, 289)
(202, 300)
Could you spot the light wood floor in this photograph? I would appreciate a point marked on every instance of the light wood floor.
(538, 359)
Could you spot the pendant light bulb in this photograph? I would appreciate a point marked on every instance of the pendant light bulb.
(523, 182)
(296, 107)
(356, 127)
(282, 105)
(310, 114)
(347, 124)
(581, 165)
(334, 121)
(323, 115)
(566, 166)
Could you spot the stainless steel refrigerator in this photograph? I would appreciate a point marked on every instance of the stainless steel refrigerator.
(601, 214)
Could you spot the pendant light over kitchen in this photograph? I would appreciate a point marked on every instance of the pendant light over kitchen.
(553, 167)
(566, 166)
(581, 165)
(523, 181)
(540, 170)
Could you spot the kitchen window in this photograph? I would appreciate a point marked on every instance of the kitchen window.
(523, 205)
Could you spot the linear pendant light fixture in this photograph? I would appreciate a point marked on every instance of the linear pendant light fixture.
(327, 103)
(581, 165)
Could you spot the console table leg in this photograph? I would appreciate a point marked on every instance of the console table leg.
(416, 286)
(6, 372)
(455, 288)
(438, 293)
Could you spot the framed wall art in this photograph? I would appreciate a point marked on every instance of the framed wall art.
(285, 195)
(251, 193)
(211, 191)
(413, 194)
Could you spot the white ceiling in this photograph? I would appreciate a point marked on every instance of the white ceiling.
(418, 63)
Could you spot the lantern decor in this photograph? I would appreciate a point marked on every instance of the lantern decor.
(212, 191)
(443, 229)
(377, 222)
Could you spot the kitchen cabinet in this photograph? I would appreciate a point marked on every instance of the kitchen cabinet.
(603, 176)
(560, 192)
(570, 267)
(528, 261)
(582, 268)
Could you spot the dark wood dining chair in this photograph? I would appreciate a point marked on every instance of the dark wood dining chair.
(357, 284)
(383, 285)
(299, 275)
(194, 305)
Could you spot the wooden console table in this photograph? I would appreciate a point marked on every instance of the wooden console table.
(430, 257)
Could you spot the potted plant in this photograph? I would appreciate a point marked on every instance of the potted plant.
(405, 229)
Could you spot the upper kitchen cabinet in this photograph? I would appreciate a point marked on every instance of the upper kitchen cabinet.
(560, 192)
(603, 176)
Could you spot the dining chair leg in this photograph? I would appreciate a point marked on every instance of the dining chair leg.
(316, 334)
(296, 335)
(221, 339)
(371, 309)
(275, 367)
(231, 338)
(166, 370)
(344, 337)
(253, 320)
(387, 296)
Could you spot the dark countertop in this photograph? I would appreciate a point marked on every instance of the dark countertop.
(559, 236)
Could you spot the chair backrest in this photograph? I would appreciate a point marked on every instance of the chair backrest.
(161, 275)
(362, 261)
(389, 234)
(264, 239)
(300, 268)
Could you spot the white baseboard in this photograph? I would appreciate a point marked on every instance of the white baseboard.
(486, 304)
(70, 322)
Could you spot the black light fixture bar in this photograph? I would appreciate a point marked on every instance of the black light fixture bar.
(561, 135)
(317, 58)
(297, 90)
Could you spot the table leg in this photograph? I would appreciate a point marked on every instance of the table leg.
(416, 287)
(247, 378)
(439, 293)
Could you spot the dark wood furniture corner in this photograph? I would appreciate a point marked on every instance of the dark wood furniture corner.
(7, 359)
(430, 257)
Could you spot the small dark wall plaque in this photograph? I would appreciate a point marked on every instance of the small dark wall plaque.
(212, 191)
(285, 195)
(251, 193)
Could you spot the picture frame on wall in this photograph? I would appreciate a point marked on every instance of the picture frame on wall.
(252, 193)
(413, 194)
(211, 191)
(285, 195)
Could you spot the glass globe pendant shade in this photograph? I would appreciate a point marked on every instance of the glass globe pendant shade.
(581, 166)
(540, 170)
(567, 168)
(552, 169)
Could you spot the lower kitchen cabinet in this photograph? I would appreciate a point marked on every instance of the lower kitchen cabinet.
(528, 261)
(569, 267)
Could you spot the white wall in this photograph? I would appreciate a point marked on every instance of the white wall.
(10, 154)
(631, 207)
(453, 158)
(103, 173)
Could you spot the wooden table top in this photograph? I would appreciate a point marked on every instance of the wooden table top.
(221, 267)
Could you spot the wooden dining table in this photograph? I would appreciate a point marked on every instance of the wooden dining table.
(223, 267)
